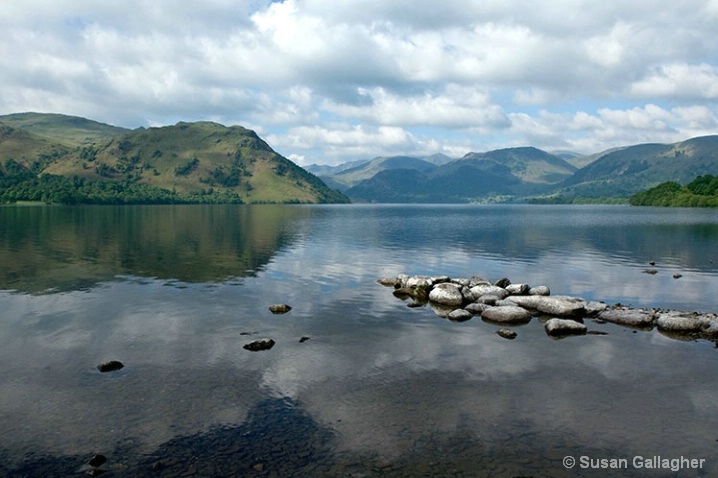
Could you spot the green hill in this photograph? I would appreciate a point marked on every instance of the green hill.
(701, 192)
(187, 162)
(68, 130)
(628, 170)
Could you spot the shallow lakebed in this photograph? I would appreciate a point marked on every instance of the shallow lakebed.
(378, 389)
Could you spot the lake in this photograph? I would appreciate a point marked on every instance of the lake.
(378, 389)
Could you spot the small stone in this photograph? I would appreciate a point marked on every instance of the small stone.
(95, 471)
(304, 339)
(506, 333)
(257, 345)
(518, 289)
(279, 308)
(540, 290)
(650, 271)
(503, 282)
(476, 308)
(563, 327)
(653, 263)
(507, 314)
(677, 275)
(460, 315)
(110, 366)
(386, 282)
(560, 306)
(258, 467)
(488, 299)
(482, 289)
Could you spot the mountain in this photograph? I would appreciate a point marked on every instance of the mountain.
(327, 170)
(187, 162)
(475, 177)
(64, 129)
(352, 176)
(346, 175)
(530, 165)
(438, 159)
(625, 171)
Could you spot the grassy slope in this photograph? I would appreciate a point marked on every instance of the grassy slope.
(153, 156)
(67, 130)
(25, 147)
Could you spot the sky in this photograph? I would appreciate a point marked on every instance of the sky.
(330, 81)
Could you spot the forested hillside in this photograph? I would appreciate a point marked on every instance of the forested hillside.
(701, 192)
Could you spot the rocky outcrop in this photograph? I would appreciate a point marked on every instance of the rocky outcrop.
(502, 302)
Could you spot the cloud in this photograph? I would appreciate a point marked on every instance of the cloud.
(454, 76)
(455, 106)
(679, 80)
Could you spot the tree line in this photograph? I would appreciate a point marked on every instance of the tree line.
(18, 183)
(701, 192)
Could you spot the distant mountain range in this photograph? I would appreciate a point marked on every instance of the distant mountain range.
(192, 162)
(209, 162)
(519, 174)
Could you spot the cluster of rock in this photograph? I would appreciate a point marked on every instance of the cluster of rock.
(505, 303)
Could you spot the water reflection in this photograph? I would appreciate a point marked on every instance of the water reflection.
(379, 388)
(50, 249)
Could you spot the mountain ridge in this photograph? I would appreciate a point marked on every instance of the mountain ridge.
(189, 161)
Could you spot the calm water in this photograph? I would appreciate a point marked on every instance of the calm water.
(380, 389)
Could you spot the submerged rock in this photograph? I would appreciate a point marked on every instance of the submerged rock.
(564, 327)
(388, 282)
(442, 311)
(279, 308)
(110, 366)
(257, 345)
(97, 460)
(507, 315)
(507, 334)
